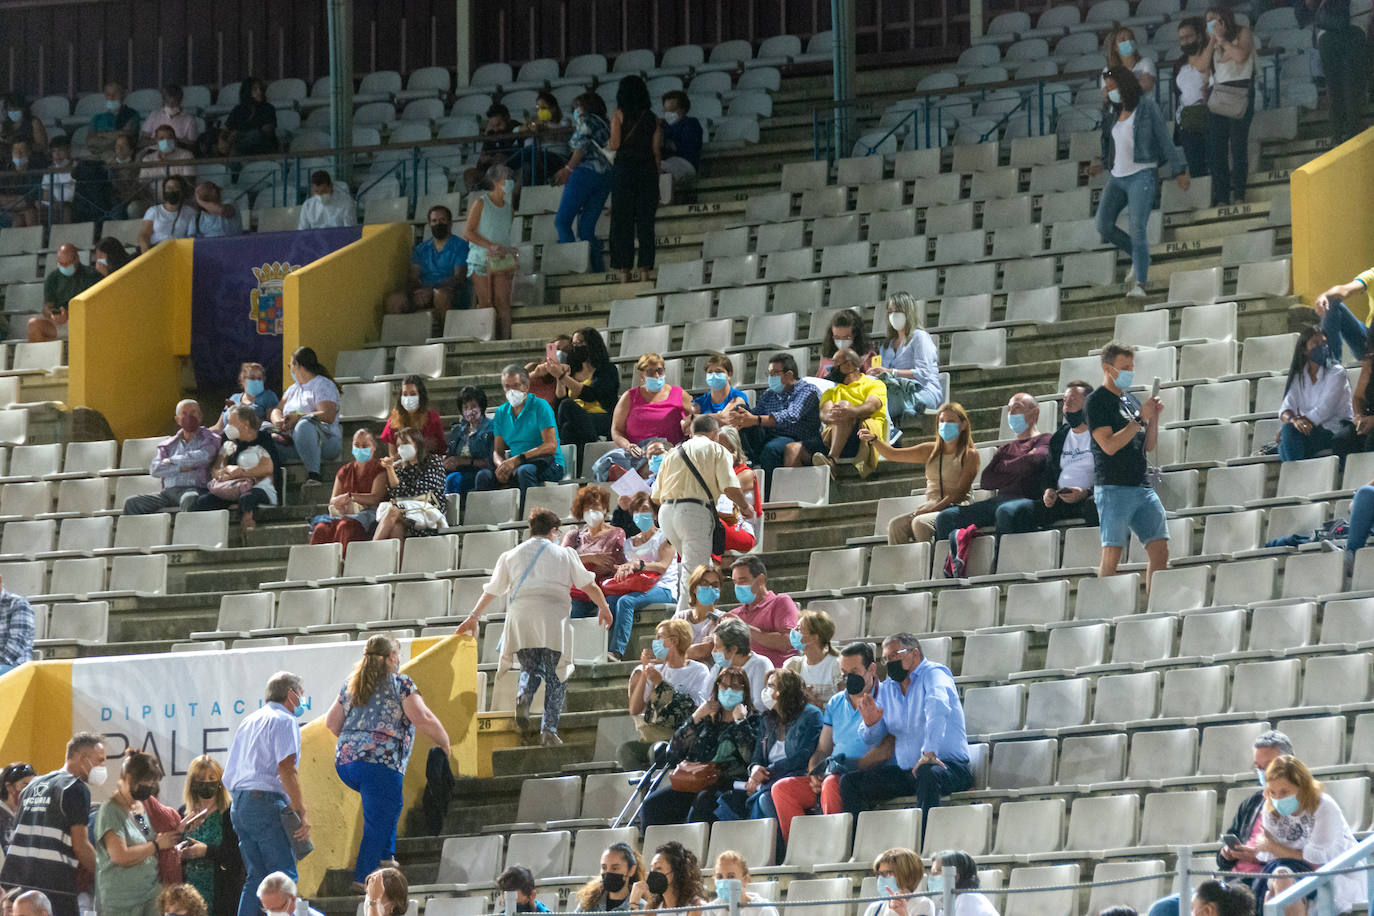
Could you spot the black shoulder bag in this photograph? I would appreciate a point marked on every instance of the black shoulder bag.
(718, 529)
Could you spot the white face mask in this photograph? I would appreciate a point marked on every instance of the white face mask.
(515, 397)
(671, 117)
(406, 451)
(249, 459)
(594, 517)
(897, 320)
(97, 776)
(842, 344)
(768, 698)
(231, 431)
(410, 402)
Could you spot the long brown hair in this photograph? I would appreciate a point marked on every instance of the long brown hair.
(371, 669)
(589, 894)
(791, 700)
(965, 440)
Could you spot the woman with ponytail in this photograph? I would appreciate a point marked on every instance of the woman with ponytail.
(375, 717)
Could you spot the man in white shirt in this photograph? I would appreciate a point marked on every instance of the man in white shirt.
(732, 649)
(327, 207)
(278, 894)
(1069, 470)
(183, 125)
(261, 776)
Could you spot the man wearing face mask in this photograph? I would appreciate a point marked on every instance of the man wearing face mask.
(328, 206)
(732, 647)
(182, 463)
(841, 749)
(171, 115)
(1247, 825)
(771, 616)
(525, 445)
(783, 429)
(279, 896)
(162, 150)
(682, 136)
(919, 707)
(70, 279)
(438, 271)
(260, 774)
(51, 838)
(174, 218)
(1068, 475)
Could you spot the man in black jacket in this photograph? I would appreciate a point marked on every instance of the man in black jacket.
(1246, 823)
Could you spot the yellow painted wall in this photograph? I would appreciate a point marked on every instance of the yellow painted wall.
(445, 671)
(129, 334)
(335, 303)
(1333, 227)
(36, 700)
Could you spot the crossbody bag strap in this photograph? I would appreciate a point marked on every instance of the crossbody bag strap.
(529, 569)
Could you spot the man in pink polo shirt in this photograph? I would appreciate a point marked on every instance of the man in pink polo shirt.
(771, 617)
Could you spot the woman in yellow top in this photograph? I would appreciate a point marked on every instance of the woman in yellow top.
(951, 462)
(856, 402)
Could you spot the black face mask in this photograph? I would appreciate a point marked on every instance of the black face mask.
(896, 671)
(205, 789)
(142, 793)
(1191, 48)
(854, 684)
(524, 908)
(440, 230)
(612, 883)
(657, 882)
(1075, 418)
(172, 197)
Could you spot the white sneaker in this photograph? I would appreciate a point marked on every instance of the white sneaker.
(1136, 292)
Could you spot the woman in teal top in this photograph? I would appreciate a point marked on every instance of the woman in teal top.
(126, 846)
(491, 259)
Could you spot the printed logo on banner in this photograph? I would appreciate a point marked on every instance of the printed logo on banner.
(265, 302)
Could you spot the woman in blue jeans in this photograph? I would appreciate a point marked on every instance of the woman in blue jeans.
(586, 179)
(1134, 140)
(375, 717)
(1317, 412)
(647, 555)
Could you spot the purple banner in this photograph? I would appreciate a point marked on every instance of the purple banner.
(236, 299)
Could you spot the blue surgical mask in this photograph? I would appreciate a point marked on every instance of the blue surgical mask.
(15, 116)
(744, 593)
(1125, 378)
(949, 431)
(655, 382)
(644, 520)
(718, 658)
(716, 380)
(1212, 27)
(795, 638)
(508, 185)
(113, 104)
(254, 386)
(1127, 47)
(1260, 774)
(887, 886)
(67, 270)
(1318, 354)
(935, 884)
(165, 145)
(1017, 422)
(775, 384)
(362, 455)
(729, 697)
(1114, 96)
(655, 462)
(729, 889)
(708, 594)
(1286, 806)
(660, 649)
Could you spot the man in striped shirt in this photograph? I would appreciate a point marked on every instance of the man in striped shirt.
(50, 835)
(16, 630)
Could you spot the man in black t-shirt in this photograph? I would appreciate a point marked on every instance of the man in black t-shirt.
(1123, 430)
(50, 832)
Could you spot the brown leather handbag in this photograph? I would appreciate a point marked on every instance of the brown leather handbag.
(694, 777)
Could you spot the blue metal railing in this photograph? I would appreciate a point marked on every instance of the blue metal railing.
(1323, 882)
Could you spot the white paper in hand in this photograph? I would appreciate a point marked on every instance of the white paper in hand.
(629, 484)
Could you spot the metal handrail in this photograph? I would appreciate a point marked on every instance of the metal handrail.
(1322, 881)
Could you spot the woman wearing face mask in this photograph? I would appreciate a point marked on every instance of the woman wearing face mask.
(359, 487)
(415, 500)
(549, 127)
(1231, 105)
(307, 419)
(673, 881)
(470, 442)
(210, 860)
(253, 392)
(855, 402)
(620, 871)
(1317, 413)
(732, 884)
(1120, 49)
(703, 586)
(13, 779)
(791, 731)
(18, 123)
(647, 576)
(951, 462)
(954, 866)
(174, 218)
(818, 665)
(108, 256)
(720, 393)
(899, 872)
(910, 361)
(243, 473)
(1191, 73)
(586, 178)
(723, 731)
(126, 845)
(586, 390)
(1135, 141)
(741, 534)
(375, 717)
(599, 544)
(637, 141)
(412, 411)
(651, 410)
(1303, 830)
(491, 257)
(845, 332)
(667, 687)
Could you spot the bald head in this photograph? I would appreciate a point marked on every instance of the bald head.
(1022, 413)
(67, 255)
(32, 903)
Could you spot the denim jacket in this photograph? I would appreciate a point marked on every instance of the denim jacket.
(803, 734)
(1154, 143)
(472, 442)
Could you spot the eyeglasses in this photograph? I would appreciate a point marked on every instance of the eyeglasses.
(17, 771)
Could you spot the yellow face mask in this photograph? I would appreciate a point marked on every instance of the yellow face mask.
(545, 114)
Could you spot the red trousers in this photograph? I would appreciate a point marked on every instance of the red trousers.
(793, 796)
(344, 531)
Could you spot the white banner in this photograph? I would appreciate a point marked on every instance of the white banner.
(177, 706)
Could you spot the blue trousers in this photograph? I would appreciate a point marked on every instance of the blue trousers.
(766, 448)
(541, 470)
(1138, 193)
(584, 197)
(1361, 518)
(1341, 326)
(862, 790)
(626, 607)
(311, 442)
(462, 482)
(1294, 446)
(380, 787)
(263, 842)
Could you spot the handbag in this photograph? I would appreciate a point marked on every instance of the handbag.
(1193, 118)
(232, 489)
(718, 528)
(503, 263)
(639, 582)
(1229, 100)
(694, 777)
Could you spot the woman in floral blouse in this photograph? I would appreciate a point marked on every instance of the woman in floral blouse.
(375, 717)
(414, 490)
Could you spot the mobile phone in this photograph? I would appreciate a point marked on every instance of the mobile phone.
(1230, 839)
(551, 352)
(1154, 389)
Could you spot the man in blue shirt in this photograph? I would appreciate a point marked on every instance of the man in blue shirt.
(116, 118)
(438, 271)
(525, 446)
(681, 136)
(784, 427)
(919, 706)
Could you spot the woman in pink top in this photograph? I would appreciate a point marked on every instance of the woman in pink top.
(652, 410)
